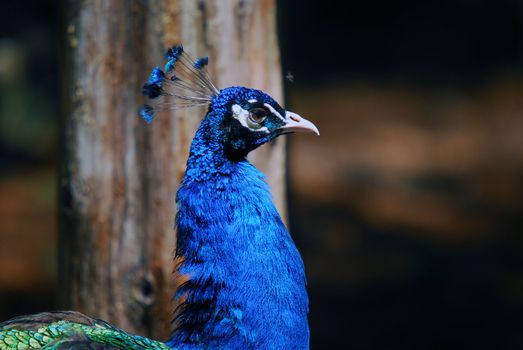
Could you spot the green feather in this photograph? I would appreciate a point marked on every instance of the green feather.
(62, 334)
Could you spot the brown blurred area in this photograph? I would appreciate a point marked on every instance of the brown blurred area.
(28, 235)
(408, 209)
(28, 144)
(437, 165)
(409, 213)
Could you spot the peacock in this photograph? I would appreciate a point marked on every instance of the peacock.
(246, 287)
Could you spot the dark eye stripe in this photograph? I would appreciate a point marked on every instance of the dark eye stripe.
(252, 105)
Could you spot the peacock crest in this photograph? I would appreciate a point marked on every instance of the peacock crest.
(183, 82)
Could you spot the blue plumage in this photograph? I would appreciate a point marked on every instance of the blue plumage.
(190, 86)
(247, 284)
(147, 113)
(201, 62)
(153, 87)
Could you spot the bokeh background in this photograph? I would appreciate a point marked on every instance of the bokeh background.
(408, 209)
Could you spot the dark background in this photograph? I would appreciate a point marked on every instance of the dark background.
(408, 209)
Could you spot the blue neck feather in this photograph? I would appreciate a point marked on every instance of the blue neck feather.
(247, 284)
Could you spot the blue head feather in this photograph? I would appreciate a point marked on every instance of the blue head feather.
(247, 283)
(147, 113)
(156, 76)
(172, 56)
(153, 87)
(201, 62)
(191, 85)
(169, 66)
(174, 52)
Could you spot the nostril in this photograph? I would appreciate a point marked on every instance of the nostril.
(294, 118)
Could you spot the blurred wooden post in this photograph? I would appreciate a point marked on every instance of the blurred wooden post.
(119, 176)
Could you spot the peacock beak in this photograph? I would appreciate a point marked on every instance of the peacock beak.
(295, 123)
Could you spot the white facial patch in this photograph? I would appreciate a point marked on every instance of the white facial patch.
(273, 111)
(242, 115)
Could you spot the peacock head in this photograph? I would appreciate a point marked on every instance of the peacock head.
(239, 118)
(249, 118)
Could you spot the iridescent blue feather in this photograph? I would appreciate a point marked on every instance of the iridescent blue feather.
(201, 62)
(247, 284)
(182, 83)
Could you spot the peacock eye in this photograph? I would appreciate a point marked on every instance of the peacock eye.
(256, 117)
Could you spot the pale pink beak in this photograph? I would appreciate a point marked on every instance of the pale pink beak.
(295, 123)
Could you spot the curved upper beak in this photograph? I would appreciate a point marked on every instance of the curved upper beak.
(295, 123)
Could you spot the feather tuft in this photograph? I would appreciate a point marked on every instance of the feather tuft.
(174, 52)
(153, 87)
(169, 66)
(182, 83)
(201, 62)
(147, 113)
(156, 76)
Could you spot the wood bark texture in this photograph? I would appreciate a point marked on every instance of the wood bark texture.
(119, 176)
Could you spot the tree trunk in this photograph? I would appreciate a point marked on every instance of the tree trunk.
(119, 175)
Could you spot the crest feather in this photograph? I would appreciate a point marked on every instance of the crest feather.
(183, 82)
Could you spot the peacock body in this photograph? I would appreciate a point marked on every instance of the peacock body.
(246, 281)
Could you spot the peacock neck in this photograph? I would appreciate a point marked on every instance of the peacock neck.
(207, 157)
(246, 284)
